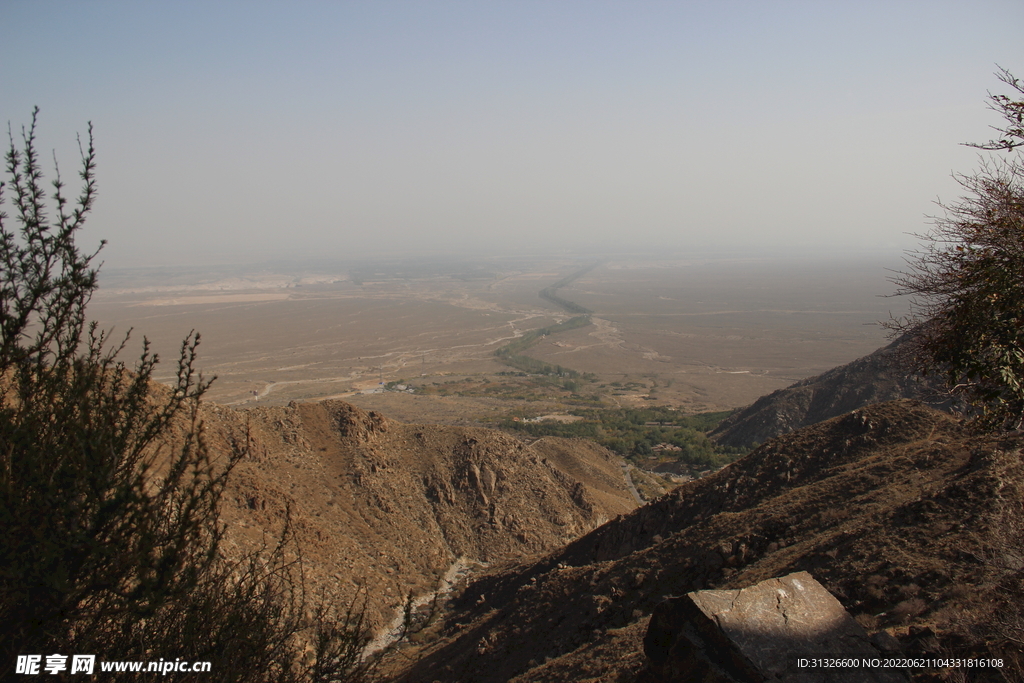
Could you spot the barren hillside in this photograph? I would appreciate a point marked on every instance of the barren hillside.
(877, 377)
(893, 508)
(391, 507)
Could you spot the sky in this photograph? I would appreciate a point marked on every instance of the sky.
(233, 132)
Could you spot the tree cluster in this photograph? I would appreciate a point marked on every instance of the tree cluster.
(633, 433)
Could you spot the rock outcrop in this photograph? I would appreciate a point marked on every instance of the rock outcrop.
(777, 630)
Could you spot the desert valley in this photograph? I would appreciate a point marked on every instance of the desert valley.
(416, 462)
(698, 334)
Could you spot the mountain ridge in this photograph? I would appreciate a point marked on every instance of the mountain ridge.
(892, 508)
(880, 376)
(385, 509)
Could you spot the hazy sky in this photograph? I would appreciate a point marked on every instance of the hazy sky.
(234, 131)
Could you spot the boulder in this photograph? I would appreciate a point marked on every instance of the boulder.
(778, 630)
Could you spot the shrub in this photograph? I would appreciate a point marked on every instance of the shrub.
(109, 532)
(967, 282)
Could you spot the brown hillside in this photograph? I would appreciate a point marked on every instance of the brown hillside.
(893, 508)
(879, 376)
(391, 507)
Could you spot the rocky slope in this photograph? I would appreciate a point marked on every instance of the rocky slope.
(893, 508)
(877, 377)
(390, 508)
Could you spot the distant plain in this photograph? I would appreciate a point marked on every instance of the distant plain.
(694, 333)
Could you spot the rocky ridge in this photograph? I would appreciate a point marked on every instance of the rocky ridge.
(879, 376)
(386, 509)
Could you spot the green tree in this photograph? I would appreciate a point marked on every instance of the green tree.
(966, 282)
(109, 533)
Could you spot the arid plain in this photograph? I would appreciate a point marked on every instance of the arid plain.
(694, 333)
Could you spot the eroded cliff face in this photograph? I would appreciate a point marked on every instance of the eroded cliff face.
(387, 508)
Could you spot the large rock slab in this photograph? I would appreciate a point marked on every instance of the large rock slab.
(759, 634)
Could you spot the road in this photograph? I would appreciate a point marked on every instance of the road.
(626, 467)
